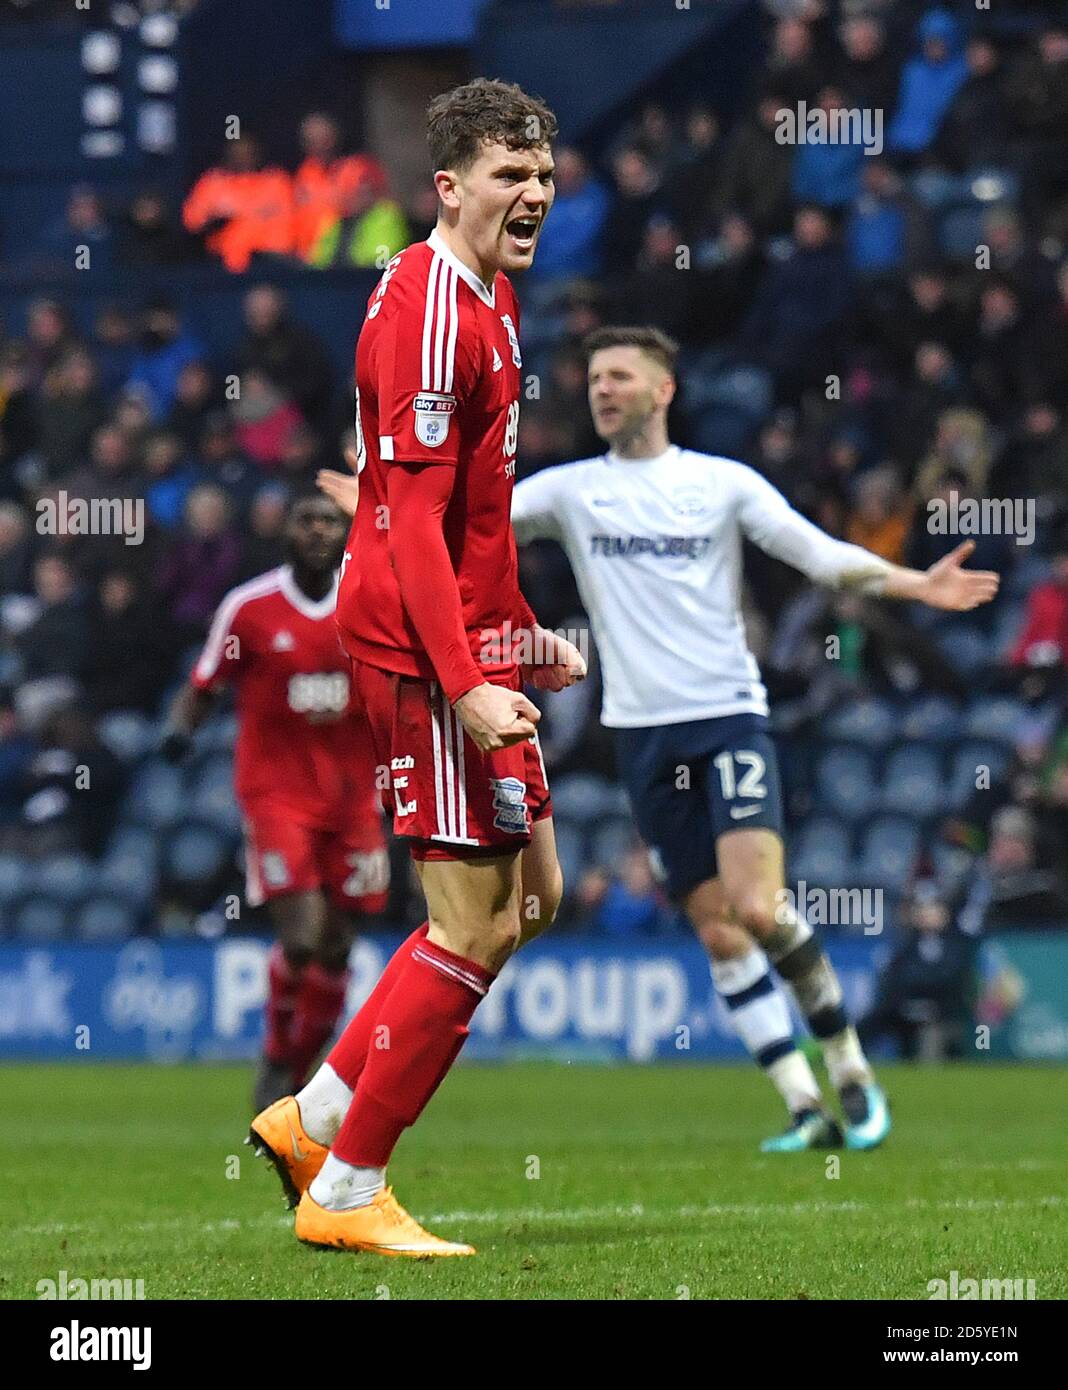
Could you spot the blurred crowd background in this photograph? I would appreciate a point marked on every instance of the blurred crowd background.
(871, 331)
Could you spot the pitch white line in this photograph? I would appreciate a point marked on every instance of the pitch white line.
(633, 1211)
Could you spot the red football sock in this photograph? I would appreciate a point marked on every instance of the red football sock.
(426, 1016)
(283, 982)
(349, 1053)
(320, 999)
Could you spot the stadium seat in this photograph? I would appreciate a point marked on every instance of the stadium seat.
(611, 843)
(965, 648)
(571, 852)
(40, 919)
(129, 868)
(105, 919)
(845, 779)
(888, 853)
(965, 767)
(12, 879)
(822, 852)
(213, 794)
(867, 720)
(66, 877)
(195, 853)
(157, 796)
(932, 719)
(912, 781)
(129, 735)
(218, 735)
(995, 717)
(583, 797)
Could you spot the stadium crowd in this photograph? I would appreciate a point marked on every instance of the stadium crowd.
(883, 333)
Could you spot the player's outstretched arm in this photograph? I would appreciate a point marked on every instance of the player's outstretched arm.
(771, 523)
(947, 584)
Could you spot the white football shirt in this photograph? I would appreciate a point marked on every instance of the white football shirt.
(656, 548)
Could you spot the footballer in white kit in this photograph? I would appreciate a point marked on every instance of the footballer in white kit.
(654, 535)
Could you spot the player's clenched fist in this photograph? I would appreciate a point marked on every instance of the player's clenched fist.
(561, 663)
(496, 717)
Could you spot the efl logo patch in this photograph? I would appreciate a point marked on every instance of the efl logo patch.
(509, 801)
(433, 409)
(513, 339)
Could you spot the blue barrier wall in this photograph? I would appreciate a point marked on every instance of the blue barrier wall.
(570, 998)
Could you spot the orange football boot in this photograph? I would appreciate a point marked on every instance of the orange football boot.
(382, 1226)
(278, 1135)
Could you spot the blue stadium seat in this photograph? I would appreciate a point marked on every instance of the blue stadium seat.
(912, 781)
(218, 735)
(129, 868)
(964, 771)
(584, 797)
(40, 919)
(571, 852)
(867, 720)
(996, 717)
(822, 852)
(129, 735)
(105, 919)
(12, 878)
(66, 877)
(213, 794)
(611, 843)
(846, 781)
(888, 853)
(965, 648)
(195, 853)
(932, 719)
(157, 796)
(1008, 625)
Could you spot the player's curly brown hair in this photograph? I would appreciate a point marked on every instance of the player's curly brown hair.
(460, 120)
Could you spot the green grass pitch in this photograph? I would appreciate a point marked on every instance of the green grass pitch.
(573, 1182)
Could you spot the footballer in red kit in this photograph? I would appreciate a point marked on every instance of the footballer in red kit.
(304, 776)
(428, 602)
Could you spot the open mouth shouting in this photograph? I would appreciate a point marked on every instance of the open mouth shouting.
(522, 232)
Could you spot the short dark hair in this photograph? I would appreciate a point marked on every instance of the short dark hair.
(652, 341)
(485, 110)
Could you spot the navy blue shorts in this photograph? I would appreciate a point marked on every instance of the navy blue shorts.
(690, 783)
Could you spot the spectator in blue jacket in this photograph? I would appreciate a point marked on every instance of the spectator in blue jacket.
(571, 242)
(166, 347)
(827, 172)
(929, 82)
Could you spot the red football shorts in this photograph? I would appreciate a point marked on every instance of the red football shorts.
(448, 798)
(351, 865)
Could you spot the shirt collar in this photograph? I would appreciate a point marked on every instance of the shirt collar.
(669, 452)
(300, 600)
(437, 245)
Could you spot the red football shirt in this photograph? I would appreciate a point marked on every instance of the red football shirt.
(302, 743)
(437, 379)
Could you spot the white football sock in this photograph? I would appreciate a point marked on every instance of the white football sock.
(323, 1104)
(845, 1059)
(795, 1081)
(338, 1186)
(761, 1018)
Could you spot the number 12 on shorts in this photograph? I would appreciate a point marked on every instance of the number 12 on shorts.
(752, 768)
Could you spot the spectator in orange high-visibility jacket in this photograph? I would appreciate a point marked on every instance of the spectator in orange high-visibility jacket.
(327, 180)
(242, 207)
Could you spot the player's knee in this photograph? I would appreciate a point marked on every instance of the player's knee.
(756, 913)
(718, 937)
